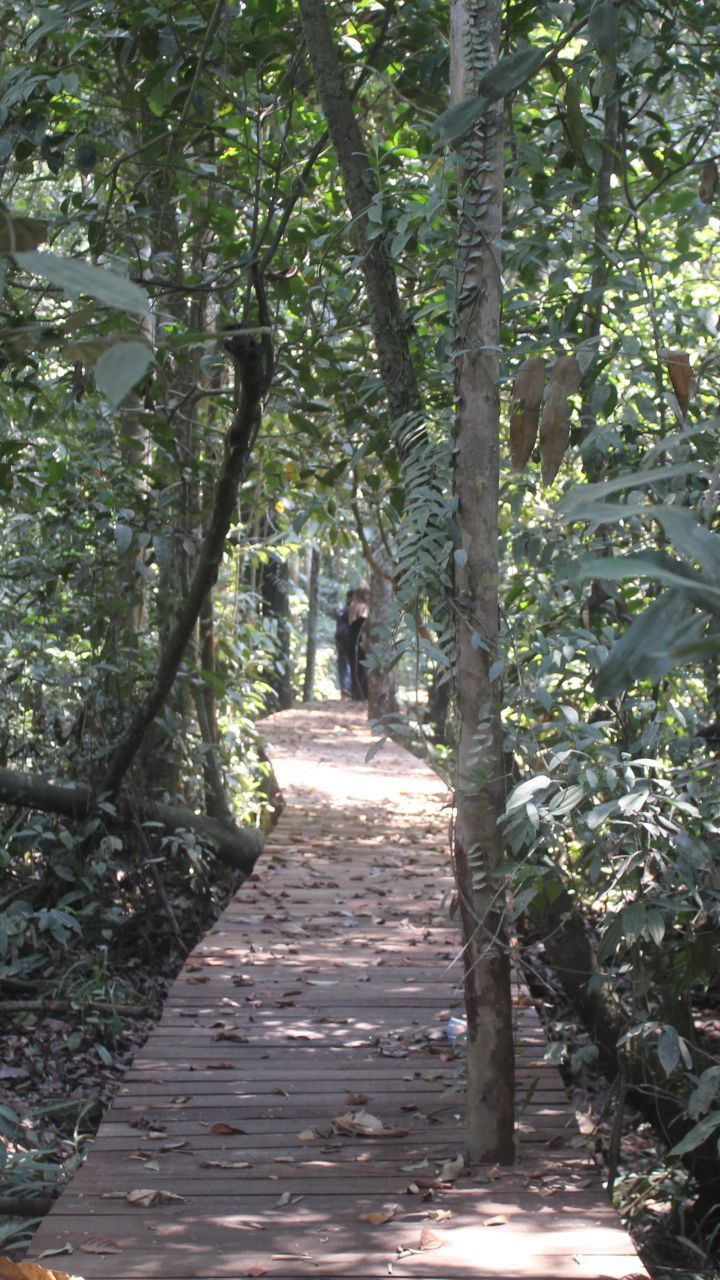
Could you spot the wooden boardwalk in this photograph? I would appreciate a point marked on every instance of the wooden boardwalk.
(312, 1013)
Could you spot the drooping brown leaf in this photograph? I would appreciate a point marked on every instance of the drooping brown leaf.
(708, 181)
(222, 1128)
(18, 235)
(526, 400)
(555, 424)
(680, 370)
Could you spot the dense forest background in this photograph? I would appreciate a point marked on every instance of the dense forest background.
(237, 288)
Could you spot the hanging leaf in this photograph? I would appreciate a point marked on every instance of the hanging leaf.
(525, 414)
(574, 119)
(20, 234)
(680, 370)
(698, 1134)
(119, 369)
(75, 277)
(555, 425)
(708, 181)
(668, 1050)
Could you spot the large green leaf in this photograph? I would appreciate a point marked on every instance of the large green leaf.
(584, 493)
(75, 277)
(507, 75)
(648, 648)
(119, 369)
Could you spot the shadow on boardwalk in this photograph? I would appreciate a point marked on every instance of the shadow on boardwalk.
(321, 995)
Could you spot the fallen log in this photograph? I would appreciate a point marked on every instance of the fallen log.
(66, 1008)
(237, 848)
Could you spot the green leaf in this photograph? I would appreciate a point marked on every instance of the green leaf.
(668, 1050)
(520, 795)
(698, 1134)
(603, 27)
(691, 538)
(646, 651)
(123, 537)
(75, 277)
(507, 75)
(574, 117)
(119, 369)
(583, 493)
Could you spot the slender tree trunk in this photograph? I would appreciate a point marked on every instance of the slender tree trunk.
(475, 37)
(276, 607)
(313, 594)
(382, 684)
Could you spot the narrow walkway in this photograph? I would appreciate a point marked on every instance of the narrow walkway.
(294, 1111)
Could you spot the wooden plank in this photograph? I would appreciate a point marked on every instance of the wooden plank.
(338, 969)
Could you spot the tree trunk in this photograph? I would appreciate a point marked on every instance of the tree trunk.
(313, 596)
(276, 608)
(360, 184)
(382, 684)
(235, 847)
(475, 36)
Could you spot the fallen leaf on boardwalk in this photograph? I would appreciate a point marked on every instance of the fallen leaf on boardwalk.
(255, 1270)
(380, 1216)
(176, 1145)
(441, 1215)
(428, 1240)
(292, 1257)
(197, 978)
(152, 1166)
(283, 1159)
(225, 1164)
(409, 1106)
(113, 1195)
(30, 1270)
(101, 1244)
(363, 1124)
(219, 1066)
(222, 1127)
(180, 1099)
(285, 1198)
(452, 1169)
(146, 1197)
(498, 1221)
(419, 1164)
(52, 1253)
(308, 1135)
(356, 1099)
(230, 1035)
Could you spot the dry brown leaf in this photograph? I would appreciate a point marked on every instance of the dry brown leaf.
(222, 1128)
(356, 1100)
(680, 370)
(363, 1124)
(28, 1271)
(428, 1240)
(292, 1257)
(176, 1145)
(218, 1066)
(499, 1220)
(451, 1169)
(525, 413)
(441, 1215)
(100, 1244)
(254, 1270)
(308, 1135)
(555, 425)
(225, 1164)
(146, 1197)
(380, 1216)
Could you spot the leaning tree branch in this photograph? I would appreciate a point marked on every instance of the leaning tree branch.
(236, 847)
